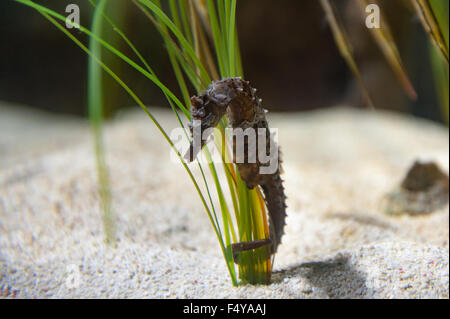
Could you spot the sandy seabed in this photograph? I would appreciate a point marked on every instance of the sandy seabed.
(338, 163)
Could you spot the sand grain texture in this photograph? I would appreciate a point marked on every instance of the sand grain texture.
(338, 164)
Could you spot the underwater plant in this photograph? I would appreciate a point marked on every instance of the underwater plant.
(434, 17)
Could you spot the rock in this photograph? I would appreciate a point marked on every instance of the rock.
(424, 190)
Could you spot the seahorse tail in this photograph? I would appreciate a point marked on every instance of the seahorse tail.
(276, 206)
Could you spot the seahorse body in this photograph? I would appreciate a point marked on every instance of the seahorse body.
(237, 99)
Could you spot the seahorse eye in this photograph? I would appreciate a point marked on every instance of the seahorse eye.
(220, 97)
(196, 102)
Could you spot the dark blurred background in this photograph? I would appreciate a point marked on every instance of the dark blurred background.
(287, 48)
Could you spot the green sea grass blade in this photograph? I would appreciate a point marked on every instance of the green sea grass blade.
(184, 43)
(95, 107)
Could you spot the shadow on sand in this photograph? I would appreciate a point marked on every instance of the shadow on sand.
(335, 278)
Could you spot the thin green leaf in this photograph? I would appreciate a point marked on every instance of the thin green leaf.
(184, 43)
(95, 106)
(232, 40)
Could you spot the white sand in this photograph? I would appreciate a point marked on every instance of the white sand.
(339, 244)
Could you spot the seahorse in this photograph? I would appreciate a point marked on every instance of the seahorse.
(237, 99)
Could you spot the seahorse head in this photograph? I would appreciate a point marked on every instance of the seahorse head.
(238, 97)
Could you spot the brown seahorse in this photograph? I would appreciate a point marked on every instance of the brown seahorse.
(237, 99)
